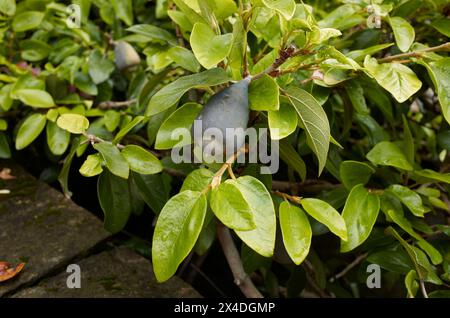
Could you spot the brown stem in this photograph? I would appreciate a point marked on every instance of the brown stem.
(293, 199)
(349, 267)
(283, 56)
(241, 279)
(312, 186)
(442, 47)
(112, 104)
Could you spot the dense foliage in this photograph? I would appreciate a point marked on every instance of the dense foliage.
(357, 93)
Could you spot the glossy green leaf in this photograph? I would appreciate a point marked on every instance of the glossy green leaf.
(63, 177)
(387, 153)
(8, 7)
(5, 151)
(92, 166)
(57, 139)
(230, 206)
(327, 215)
(439, 72)
(123, 10)
(356, 94)
(289, 155)
(394, 77)
(153, 188)
(409, 198)
(262, 238)
(428, 175)
(114, 196)
(238, 49)
(314, 120)
(197, 180)
(185, 58)
(412, 286)
(74, 123)
(34, 97)
(178, 122)
(282, 122)
(30, 129)
(141, 160)
(442, 25)
(154, 33)
(296, 231)
(27, 20)
(403, 32)
(170, 94)
(100, 67)
(114, 161)
(360, 213)
(263, 94)
(285, 7)
(177, 229)
(353, 173)
(208, 47)
(127, 128)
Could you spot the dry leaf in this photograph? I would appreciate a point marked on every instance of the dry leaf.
(5, 174)
(8, 272)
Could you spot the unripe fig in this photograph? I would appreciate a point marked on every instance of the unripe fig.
(226, 110)
(125, 55)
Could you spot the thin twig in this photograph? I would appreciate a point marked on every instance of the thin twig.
(349, 267)
(293, 199)
(442, 47)
(241, 279)
(112, 104)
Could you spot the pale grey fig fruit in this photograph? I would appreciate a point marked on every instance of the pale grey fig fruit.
(125, 55)
(226, 112)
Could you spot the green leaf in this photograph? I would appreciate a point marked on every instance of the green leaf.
(408, 141)
(85, 84)
(282, 122)
(190, 14)
(394, 77)
(74, 123)
(360, 213)
(197, 180)
(57, 139)
(403, 32)
(35, 97)
(153, 189)
(141, 160)
(411, 199)
(356, 94)
(289, 155)
(30, 130)
(296, 231)
(208, 47)
(92, 166)
(153, 33)
(327, 215)
(263, 94)
(170, 94)
(262, 238)
(396, 261)
(5, 151)
(185, 58)
(387, 153)
(355, 172)
(284, 7)
(114, 160)
(442, 25)
(177, 229)
(127, 128)
(314, 120)
(230, 207)
(8, 7)
(238, 49)
(123, 10)
(27, 20)
(63, 177)
(100, 67)
(439, 72)
(427, 175)
(114, 197)
(359, 55)
(412, 286)
(179, 121)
